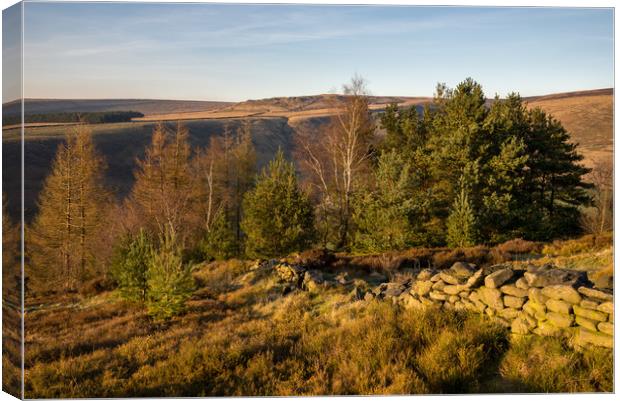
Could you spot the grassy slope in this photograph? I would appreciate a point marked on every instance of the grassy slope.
(241, 336)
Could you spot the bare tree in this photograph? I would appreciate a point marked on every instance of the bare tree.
(599, 218)
(336, 156)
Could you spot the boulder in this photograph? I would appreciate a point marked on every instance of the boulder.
(343, 278)
(453, 299)
(426, 274)
(522, 325)
(509, 313)
(546, 276)
(313, 280)
(513, 290)
(439, 285)
(596, 338)
(606, 307)
(357, 294)
(463, 269)
(475, 280)
(522, 284)
(437, 296)
(589, 303)
(513, 302)
(607, 328)
(290, 273)
(589, 313)
(536, 295)
(491, 297)
(422, 287)
(546, 328)
(559, 306)
(562, 292)
(464, 294)
(560, 320)
(393, 290)
(436, 277)
(586, 323)
(606, 296)
(498, 278)
(449, 278)
(453, 289)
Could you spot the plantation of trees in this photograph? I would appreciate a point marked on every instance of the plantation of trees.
(89, 117)
(458, 174)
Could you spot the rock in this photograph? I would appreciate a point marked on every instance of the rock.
(458, 305)
(562, 292)
(522, 284)
(437, 296)
(589, 313)
(498, 278)
(453, 289)
(490, 311)
(427, 302)
(464, 294)
(475, 280)
(369, 296)
(606, 307)
(357, 294)
(480, 307)
(491, 297)
(463, 270)
(601, 279)
(536, 295)
(474, 296)
(449, 278)
(513, 302)
(596, 294)
(596, 338)
(521, 325)
(560, 320)
(589, 304)
(558, 306)
(509, 313)
(287, 289)
(606, 328)
(439, 285)
(527, 308)
(436, 277)
(546, 328)
(453, 298)
(343, 278)
(511, 289)
(500, 320)
(393, 290)
(313, 280)
(586, 323)
(545, 276)
(290, 273)
(425, 274)
(422, 287)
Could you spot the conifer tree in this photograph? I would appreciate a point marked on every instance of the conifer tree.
(62, 242)
(461, 223)
(277, 215)
(130, 266)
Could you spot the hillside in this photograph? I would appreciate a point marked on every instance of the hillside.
(588, 116)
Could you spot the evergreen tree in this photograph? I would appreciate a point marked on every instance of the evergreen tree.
(461, 223)
(130, 266)
(63, 246)
(385, 218)
(277, 216)
(169, 279)
(220, 241)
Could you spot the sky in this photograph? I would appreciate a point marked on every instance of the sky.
(238, 52)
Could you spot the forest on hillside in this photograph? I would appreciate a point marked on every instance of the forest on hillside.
(460, 173)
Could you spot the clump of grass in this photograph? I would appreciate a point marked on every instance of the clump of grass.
(585, 244)
(545, 364)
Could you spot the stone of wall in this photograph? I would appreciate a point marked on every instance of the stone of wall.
(529, 300)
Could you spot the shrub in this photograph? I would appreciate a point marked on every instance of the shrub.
(220, 242)
(169, 279)
(130, 267)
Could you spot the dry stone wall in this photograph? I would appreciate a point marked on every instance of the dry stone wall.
(529, 300)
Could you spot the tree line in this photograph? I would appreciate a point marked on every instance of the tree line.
(457, 173)
(88, 117)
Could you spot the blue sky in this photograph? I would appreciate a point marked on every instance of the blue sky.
(238, 52)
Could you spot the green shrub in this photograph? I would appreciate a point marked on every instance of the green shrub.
(169, 279)
(219, 242)
(130, 266)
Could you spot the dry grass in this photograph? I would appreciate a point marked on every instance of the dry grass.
(241, 336)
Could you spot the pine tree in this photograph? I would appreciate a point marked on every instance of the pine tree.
(169, 279)
(461, 223)
(277, 215)
(130, 266)
(63, 246)
(384, 218)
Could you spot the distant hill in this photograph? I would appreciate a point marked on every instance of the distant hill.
(144, 106)
(587, 115)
